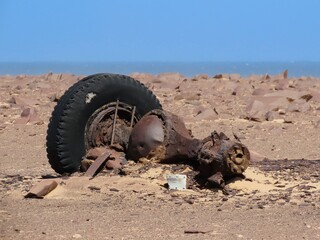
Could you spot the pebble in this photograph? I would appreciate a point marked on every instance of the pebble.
(114, 190)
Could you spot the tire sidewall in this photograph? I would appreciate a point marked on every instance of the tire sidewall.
(78, 109)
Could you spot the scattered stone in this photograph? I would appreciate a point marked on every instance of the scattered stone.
(55, 97)
(114, 164)
(76, 236)
(29, 115)
(169, 80)
(190, 200)
(188, 96)
(200, 77)
(194, 231)
(114, 190)
(207, 114)
(94, 153)
(94, 188)
(297, 106)
(4, 105)
(85, 164)
(23, 101)
(271, 115)
(218, 76)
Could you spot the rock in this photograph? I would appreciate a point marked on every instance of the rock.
(76, 236)
(234, 76)
(188, 96)
(200, 77)
(207, 114)
(283, 75)
(282, 85)
(198, 109)
(114, 164)
(2, 126)
(178, 97)
(287, 94)
(55, 97)
(259, 106)
(271, 115)
(299, 106)
(4, 105)
(256, 111)
(143, 77)
(94, 153)
(317, 124)
(218, 76)
(306, 97)
(85, 164)
(227, 87)
(23, 101)
(315, 96)
(239, 91)
(44, 85)
(260, 91)
(70, 79)
(169, 80)
(29, 115)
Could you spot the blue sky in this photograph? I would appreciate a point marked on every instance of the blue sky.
(154, 30)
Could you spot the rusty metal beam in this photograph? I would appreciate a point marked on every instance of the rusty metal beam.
(98, 164)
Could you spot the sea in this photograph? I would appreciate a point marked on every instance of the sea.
(189, 69)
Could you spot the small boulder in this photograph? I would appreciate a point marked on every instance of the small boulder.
(207, 114)
(272, 115)
(260, 91)
(299, 106)
(114, 164)
(23, 101)
(94, 153)
(256, 111)
(29, 115)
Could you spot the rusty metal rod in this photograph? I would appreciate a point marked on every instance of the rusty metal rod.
(132, 116)
(114, 123)
(97, 164)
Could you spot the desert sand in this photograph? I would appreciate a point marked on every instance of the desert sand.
(276, 117)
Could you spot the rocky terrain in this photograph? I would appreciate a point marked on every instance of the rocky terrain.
(276, 117)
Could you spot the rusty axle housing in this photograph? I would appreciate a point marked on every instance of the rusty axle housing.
(162, 137)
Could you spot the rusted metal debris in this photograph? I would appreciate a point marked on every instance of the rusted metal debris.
(162, 137)
(219, 158)
(98, 164)
(109, 158)
(42, 188)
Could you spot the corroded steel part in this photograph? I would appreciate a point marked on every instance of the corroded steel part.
(110, 124)
(98, 164)
(220, 157)
(42, 188)
(180, 145)
(163, 137)
(146, 136)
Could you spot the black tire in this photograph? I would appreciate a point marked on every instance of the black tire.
(66, 129)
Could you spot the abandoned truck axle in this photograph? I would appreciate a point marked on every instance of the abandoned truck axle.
(162, 137)
(123, 117)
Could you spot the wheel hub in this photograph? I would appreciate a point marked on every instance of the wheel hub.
(110, 125)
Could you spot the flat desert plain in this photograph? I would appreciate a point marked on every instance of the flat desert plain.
(276, 117)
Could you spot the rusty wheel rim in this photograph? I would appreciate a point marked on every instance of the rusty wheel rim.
(102, 124)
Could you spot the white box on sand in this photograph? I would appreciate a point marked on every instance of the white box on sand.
(177, 181)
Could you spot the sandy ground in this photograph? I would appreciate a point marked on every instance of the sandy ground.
(275, 116)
